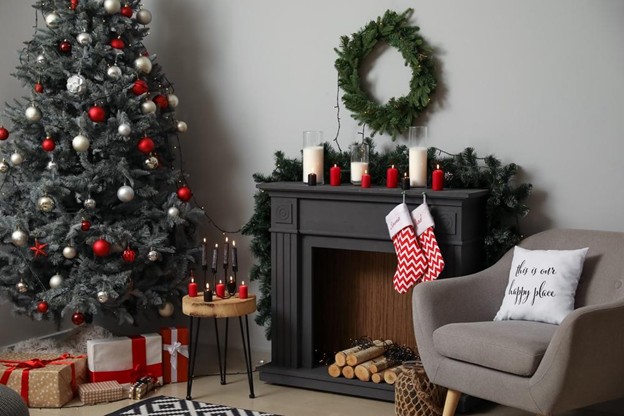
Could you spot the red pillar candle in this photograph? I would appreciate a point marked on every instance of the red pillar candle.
(437, 179)
(220, 289)
(334, 176)
(366, 180)
(392, 177)
(243, 292)
(192, 288)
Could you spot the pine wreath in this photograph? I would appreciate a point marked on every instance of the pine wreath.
(397, 114)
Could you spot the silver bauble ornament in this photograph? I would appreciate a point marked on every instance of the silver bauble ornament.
(4, 167)
(69, 252)
(153, 255)
(125, 193)
(16, 159)
(102, 296)
(166, 309)
(113, 72)
(148, 107)
(45, 204)
(112, 6)
(151, 162)
(51, 19)
(19, 238)
(143, 64)
(173, 212)
(89, 203)
(182, 127)
(32, 114)
(51, 165)
(84, 38)
(124, 130)
(21, 287)
(41, 59)
(77, 84)
(144, 16)
(56, 281)
(173, 100)
(80, 143)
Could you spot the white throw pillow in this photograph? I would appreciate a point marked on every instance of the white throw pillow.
(542, 285)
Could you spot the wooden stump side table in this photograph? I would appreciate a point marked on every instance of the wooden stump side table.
(233, 307)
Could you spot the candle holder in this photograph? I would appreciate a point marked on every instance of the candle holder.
(313, 154)
(231, 286)
(418, 156)
(208, 294)
(359, 162)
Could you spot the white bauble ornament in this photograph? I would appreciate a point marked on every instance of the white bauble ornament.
(21, 287)
(151, 162)
(90, 203)
(19, 238)
(148, 107)
(182, 127)
(17, 159)
(51, 165)
(143, 64)
(144, 16)
(113, 72)
(153, 255)
(166, 309)
(41, 59)
(125, 193)
(124, 129)
(84, 38)
(4, 167)
(32, 114)
(51, 19)
(69, 252)
(173, 100)
(77, 84)
(81, 143)
(112, 6)
(102, 296)
(173, 212)
(56, 281)
(45, 204)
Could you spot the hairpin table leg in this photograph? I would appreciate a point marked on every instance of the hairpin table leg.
(194, 337)
(247, 352)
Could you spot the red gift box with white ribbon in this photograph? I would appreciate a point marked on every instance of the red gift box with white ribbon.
(125, 359)
(175, 354)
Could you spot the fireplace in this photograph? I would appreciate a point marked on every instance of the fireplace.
(332, 263)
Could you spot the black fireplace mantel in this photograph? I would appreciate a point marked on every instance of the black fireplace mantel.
(348, 217)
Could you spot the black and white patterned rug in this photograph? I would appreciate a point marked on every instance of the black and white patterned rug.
(172, 406)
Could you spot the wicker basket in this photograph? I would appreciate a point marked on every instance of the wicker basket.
(415, 395)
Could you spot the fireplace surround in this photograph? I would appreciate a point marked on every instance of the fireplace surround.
(310, 227)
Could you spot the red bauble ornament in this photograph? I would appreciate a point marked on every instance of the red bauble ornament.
(78, 318)
(48, 144)
(184, 193)
(85, 225)
(38, 88)
(97, 114)
(4, 133)
(127, 11)
(140, 87)
(74, 4)
(117, 43)
(128, 255)
(146, 145)
(101, 248)
(161, 101)
(42, 307)
(65, 47)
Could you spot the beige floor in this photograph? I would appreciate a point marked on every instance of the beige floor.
(280, 400)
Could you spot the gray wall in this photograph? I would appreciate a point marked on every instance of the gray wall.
(536, 83)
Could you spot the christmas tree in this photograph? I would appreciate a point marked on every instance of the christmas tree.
(94, 214)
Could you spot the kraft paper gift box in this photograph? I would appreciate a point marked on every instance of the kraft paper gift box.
(102, 392)
(175, 354)
(125, 359)
(43, 380)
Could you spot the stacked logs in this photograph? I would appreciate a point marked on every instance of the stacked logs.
(366, 364)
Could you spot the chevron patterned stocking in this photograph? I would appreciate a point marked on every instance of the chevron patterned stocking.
(423, 222)
(411, 260)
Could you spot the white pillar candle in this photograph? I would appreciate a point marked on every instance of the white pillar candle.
(418, 166)
(357, 170)
(313, 163)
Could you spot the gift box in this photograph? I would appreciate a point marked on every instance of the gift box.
(43, 380)
(125, 359)
(102, 392)
(175, 354)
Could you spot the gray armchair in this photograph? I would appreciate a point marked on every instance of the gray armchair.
(534, 366)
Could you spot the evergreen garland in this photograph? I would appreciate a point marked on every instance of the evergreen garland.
(396, 116)
(504, 206)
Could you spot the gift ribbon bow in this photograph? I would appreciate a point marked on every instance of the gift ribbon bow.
(174, 349)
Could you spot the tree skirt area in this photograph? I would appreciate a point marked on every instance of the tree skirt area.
(171, 406)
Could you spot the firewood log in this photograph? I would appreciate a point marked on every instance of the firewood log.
(334, 370)
(391, 375)
(348, 371)
(341, 356)
(361, 356)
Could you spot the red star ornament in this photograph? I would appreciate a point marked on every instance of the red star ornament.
(39, 249)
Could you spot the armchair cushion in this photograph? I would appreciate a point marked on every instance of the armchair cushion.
(515, 347)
